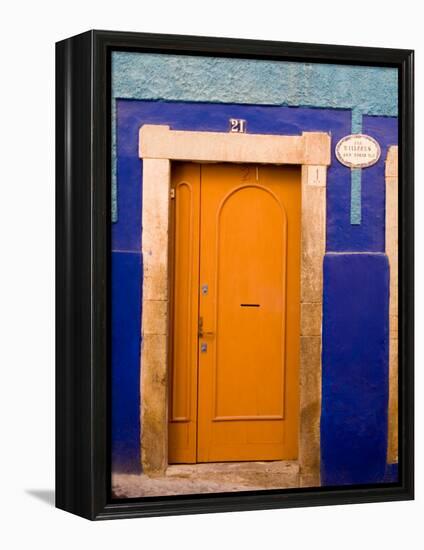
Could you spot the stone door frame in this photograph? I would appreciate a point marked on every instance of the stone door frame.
(392, 229)
(158, 147)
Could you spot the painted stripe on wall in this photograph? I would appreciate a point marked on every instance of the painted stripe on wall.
(356, 197)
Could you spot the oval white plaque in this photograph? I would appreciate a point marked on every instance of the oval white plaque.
(358, 151)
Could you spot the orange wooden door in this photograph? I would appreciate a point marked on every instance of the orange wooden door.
(246, 291)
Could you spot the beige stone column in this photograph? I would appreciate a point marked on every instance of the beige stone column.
(392, 254)
(313, 250)
(154, 402)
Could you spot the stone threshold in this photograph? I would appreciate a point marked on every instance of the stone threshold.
(215, 477)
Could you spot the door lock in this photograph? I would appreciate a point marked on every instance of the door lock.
(200, 332)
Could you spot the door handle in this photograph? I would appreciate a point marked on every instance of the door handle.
(201, 333)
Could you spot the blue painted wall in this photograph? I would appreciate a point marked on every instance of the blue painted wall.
(357, 387)
(126, 288)
(126, 329)
(370, 235)
(354, 368)
(355, 329)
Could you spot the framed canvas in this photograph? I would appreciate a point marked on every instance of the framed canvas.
(234, 274)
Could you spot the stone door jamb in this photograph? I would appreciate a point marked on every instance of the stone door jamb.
(158, 146)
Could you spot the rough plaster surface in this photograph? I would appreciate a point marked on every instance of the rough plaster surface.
(372, 90)
(365, 90)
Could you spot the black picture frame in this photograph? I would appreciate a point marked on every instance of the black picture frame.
(82, 274)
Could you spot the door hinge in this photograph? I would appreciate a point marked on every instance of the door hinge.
(172, 193)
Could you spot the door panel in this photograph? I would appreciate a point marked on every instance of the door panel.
(237, 269)
(249, 218)
(182, 410)
(249, 305)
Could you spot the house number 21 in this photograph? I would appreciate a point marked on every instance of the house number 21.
(237, 125)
